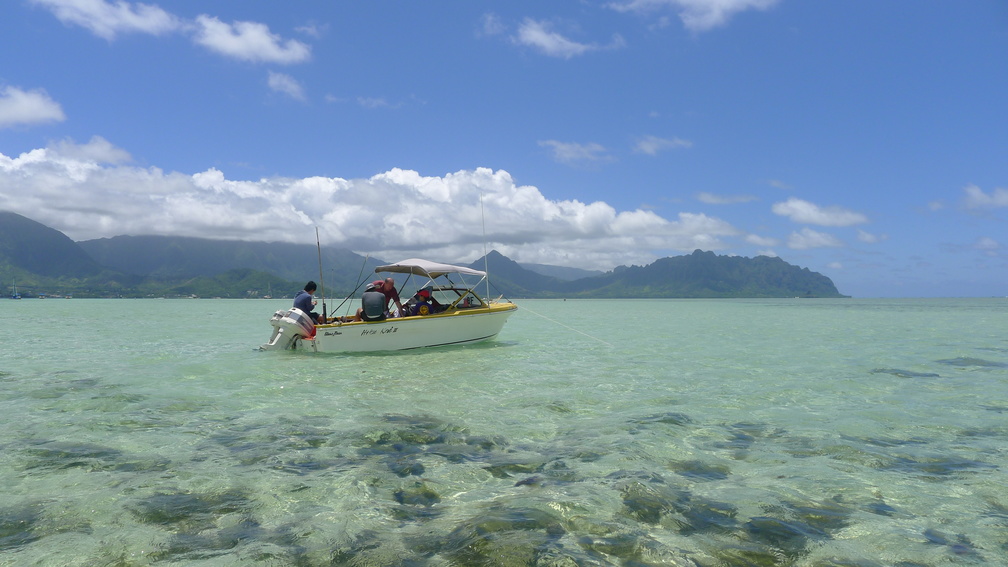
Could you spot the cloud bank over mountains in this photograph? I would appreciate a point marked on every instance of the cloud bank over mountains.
(92, 191)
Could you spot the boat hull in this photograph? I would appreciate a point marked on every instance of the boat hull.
(457, 327)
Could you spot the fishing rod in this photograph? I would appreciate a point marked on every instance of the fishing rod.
(318, 244)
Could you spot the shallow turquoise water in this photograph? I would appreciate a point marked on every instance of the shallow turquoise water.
(678, 432)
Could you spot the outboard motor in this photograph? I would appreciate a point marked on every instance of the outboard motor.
(288, 327)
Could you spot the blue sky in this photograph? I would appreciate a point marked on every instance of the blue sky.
(864, 140)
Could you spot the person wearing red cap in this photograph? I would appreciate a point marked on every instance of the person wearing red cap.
(425, 303)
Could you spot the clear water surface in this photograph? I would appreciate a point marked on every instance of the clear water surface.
(674, 432)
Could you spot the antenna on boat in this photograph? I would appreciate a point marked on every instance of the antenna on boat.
(318, 244)
(359, 284)
(486, 261)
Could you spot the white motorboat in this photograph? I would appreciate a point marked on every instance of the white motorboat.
(451, 312)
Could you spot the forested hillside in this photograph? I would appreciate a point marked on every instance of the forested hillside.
(705, 274)
(700, 274)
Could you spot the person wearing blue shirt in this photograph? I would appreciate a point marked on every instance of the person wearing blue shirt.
(305, 302)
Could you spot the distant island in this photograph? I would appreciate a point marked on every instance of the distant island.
(43, 262)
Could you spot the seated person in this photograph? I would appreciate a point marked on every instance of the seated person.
(425, 304)
(305, 302)
(372, 305)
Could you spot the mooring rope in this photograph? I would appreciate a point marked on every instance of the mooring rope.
(566, 326)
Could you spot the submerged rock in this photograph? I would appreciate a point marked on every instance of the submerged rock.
(66, 455)
(419, 494)
(189, 547)
(677, 509)
(790, 529)
(828, 516)
(748, 556)
(899, 373)
(533, 480)
(406, 466)
(407, 439)
(506, 469)
(618, 545)
(699, 470)
(502, 537)
(881, 508)
(417, 502)
(936, 467)
(789, 538)
(188, 512)
(648, 503)
(412, 430)
(669, 418)
(834, 562)
(17, 526)
(968, 361)
(959, 545)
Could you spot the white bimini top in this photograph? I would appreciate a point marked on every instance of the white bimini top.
(419, 267)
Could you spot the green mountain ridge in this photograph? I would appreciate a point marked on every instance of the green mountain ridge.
(179, 257)
(38, 249)
(705, 274)
(560, 272)
(43, 260)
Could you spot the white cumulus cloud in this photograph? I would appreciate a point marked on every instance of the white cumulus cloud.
(651, 145)
(286, 84)
(18, 107)
(248, 41)
(987, 244)
(573, 153)
(870, 238)
(491, 24)
(696, 15)
(977, 199)
(107, 20)
(712, 199)
(757, 240)
(540, 36)
(808, 238)
(91, 191)
(98, 150)
(805, 212)
(375, 102)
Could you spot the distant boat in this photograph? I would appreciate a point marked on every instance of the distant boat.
(15, 294)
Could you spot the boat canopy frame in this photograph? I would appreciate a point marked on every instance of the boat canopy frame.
(431, 271)
(418, 267)
(434, 270)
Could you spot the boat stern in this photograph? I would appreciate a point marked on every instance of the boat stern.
(289, 326)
